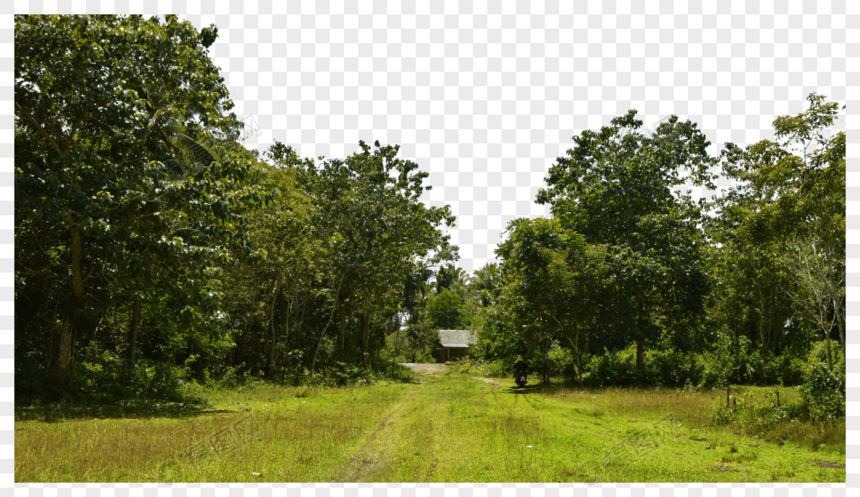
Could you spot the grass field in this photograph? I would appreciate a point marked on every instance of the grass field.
(447, 426)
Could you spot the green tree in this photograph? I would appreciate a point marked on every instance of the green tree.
(377, 233)
(446, 310)
(617, 188)
(101, 180)
(785, 222)
(556, 284)
(485, 282)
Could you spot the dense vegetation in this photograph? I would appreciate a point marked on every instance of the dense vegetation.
(630, 282)
(152, 249)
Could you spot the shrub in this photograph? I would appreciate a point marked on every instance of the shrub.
(560, 362)
(786, 369)
(818, 354)
(158, 381)
(823, 393)
(32, 383)
(774, 415)
(671, 368)
(742, 364)
(662, 369)
(107, 378)
(499, 368)
(739, 404)
(610, 369)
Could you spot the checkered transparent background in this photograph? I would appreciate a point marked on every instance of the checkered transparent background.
(484, 96)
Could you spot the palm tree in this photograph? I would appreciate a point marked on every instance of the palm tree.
(486, 277)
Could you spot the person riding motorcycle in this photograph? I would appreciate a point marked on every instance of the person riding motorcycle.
(520, 371)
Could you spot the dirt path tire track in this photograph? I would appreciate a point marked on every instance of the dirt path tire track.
(527, 400)
(368, 460)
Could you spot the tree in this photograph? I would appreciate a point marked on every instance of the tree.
(786, 221)
(616, 189)
(445, 310)
(376, 233)
(820, 292)
(127, 211)
(451, 277)
(818, 203)
(556, 284)
(525, 255)
(485, 282)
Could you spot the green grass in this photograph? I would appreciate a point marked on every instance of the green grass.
(439, 428)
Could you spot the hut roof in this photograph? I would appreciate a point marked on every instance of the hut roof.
(457, 338)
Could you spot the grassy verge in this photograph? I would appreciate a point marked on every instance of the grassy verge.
(442, 427)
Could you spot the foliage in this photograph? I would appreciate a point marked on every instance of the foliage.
(144, 227)
(781, 232)
(615, 189)
(740, 364)
(154, 252)
(118, 212)
(663, 369)
(107, 378)
(445, 311)
(823, 393)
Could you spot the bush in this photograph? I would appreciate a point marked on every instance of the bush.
(236, 376)
(774, 415)
(107, 378)
(499, 368)
(560, 363)
(158, 381)
(786, 369)
(742, 364)
(671, 369)
(662, 369)
(32, 383)
(818, 354)
(823, 393)
(342, 374)
(610, 369)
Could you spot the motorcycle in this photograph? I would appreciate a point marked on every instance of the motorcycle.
(521, 380)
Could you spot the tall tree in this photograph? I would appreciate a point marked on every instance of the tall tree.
(618, 188)
(100, 176)
(785, 221)
(377, 233)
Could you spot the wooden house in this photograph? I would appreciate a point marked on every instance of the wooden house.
(455, 344)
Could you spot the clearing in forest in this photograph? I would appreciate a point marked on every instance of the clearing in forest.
(444, 426)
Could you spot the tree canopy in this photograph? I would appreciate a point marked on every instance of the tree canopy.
(152, 248)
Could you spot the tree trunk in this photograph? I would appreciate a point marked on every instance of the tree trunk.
(364, 333)
(334, 308)
(273, 335)
(132, 332)
(66, 358)
(692, 347)
(299, 333)
(344, 318)
(640, 345)
(640, 355)
(574, 345)
(763, 330)
(840, 324)
(545, 362)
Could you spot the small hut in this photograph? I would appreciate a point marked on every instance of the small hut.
(455, 344)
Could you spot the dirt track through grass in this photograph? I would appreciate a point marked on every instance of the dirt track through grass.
(443, 427)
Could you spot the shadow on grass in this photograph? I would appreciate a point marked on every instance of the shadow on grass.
(123, 410)
(523, 390)
(71, 408)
